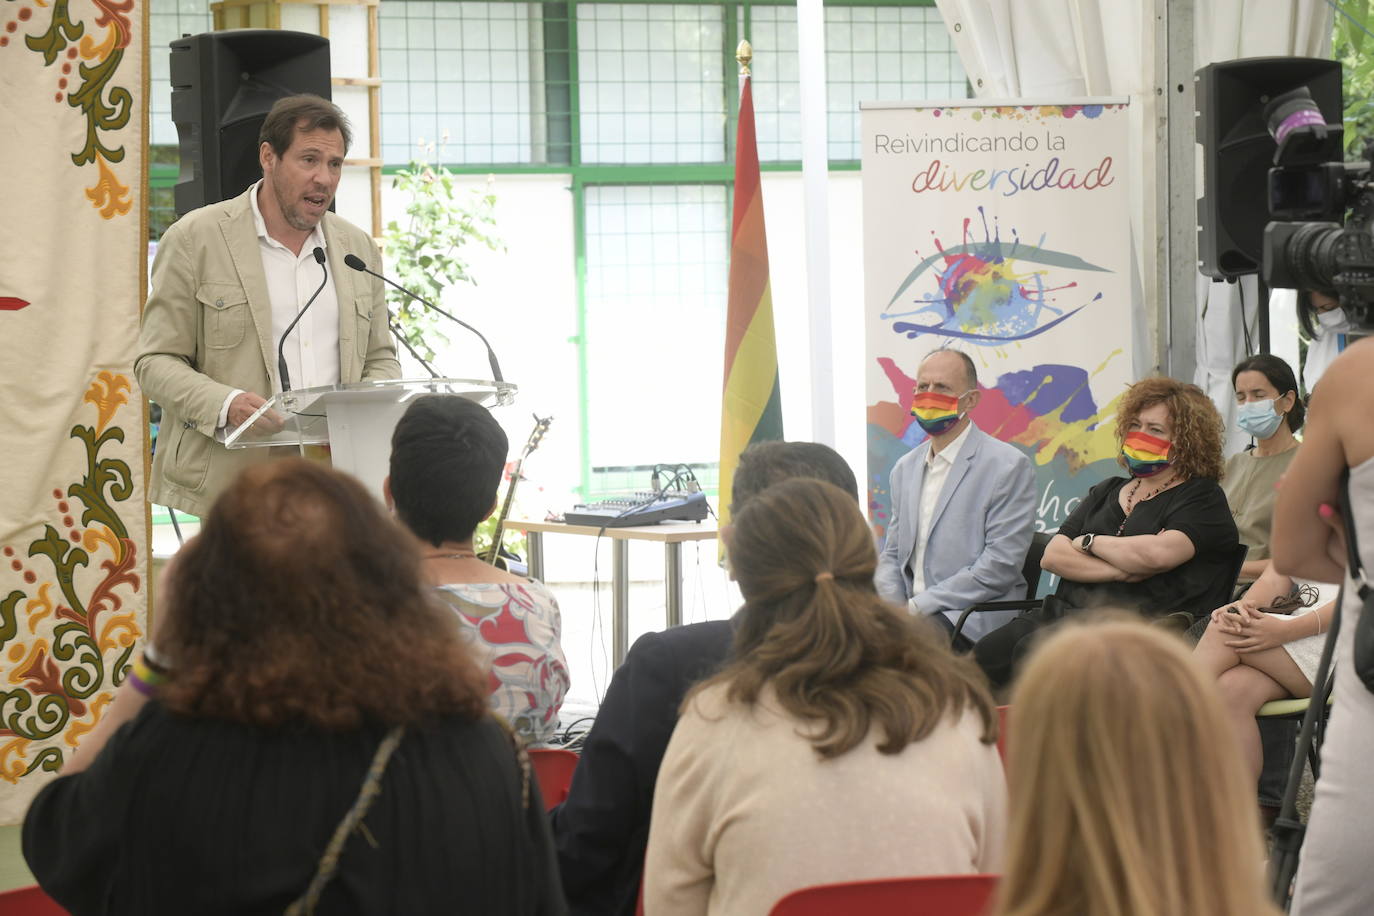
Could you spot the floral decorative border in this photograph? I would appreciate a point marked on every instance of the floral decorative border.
(107, 107)
(68, 639)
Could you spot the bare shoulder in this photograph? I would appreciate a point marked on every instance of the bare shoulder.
(1344, 401)
(504, 577)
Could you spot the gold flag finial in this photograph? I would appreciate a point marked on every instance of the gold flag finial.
(744, 54)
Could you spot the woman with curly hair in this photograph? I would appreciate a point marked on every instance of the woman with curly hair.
(844, 741)
(304, 732)
(1155, 541)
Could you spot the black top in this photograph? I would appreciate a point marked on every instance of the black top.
(1195, 507)
(602, 830)
(182, 816)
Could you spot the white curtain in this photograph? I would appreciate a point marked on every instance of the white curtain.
(1065, 49)
(1023, 48)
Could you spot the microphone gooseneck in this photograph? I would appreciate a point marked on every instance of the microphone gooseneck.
(281, 344)
(355, 262)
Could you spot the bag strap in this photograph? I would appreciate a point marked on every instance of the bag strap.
(1352, 548)
(367, 794)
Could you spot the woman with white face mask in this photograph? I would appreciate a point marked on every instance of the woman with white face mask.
(1269, 411)
(1327, 329)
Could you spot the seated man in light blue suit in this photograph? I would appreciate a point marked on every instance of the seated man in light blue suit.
(963, 508)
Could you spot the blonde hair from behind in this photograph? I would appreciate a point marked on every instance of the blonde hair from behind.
(1128, 795)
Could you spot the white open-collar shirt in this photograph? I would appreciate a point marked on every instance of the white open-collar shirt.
(312, 350)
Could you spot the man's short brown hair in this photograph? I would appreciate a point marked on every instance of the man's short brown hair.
(766, 463)
(303, 113)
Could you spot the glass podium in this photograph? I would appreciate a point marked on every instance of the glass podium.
(351, 425)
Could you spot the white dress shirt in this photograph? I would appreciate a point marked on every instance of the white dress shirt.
(932, 482)
(312, 350)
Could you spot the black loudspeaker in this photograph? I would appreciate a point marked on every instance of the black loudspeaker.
(1238, 151)
(223, 85)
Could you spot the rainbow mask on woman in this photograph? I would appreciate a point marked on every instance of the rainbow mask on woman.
(1145, 455)
(935, 412)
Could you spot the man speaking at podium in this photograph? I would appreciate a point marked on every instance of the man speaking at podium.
(230, 279)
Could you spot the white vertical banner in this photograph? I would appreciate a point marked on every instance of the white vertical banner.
(1002, 230)
(74, 532)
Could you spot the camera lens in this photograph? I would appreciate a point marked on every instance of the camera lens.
(1311, 255)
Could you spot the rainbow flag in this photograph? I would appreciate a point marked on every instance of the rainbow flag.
(751, 402)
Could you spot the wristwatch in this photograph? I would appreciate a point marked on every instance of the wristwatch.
(1087, 544)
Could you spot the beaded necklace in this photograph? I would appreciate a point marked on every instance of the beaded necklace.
(1132, 501)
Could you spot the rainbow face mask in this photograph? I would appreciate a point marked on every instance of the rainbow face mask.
(935, 412)
(1145, 455)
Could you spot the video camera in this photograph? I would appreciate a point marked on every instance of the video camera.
(1278, 196)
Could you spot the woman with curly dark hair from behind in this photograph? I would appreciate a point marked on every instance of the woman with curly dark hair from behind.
(304, 732)
(1156, 541)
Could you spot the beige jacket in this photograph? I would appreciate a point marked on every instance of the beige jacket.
(207, 329)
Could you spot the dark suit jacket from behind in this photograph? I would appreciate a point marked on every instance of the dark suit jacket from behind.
(602, 830)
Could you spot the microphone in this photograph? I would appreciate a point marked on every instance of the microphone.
(281, 344)
(397, 333)
(355, 262)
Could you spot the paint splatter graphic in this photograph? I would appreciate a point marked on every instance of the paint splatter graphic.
(1032, 113)
(988, 292)
(1048, 411)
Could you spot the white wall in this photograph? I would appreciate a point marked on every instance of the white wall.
(525, 303)
(782, 202)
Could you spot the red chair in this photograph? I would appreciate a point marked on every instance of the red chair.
(29, 901)
(553, 770)
(1003, 713)
(940, 895)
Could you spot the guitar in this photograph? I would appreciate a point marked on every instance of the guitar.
(493, 554)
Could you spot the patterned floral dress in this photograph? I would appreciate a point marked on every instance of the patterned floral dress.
(516, 629)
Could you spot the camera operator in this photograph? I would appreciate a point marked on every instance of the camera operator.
(1327, 329)
(1308, 542)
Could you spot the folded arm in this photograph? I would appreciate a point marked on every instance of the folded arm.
(1068, 562)
(1145, 554)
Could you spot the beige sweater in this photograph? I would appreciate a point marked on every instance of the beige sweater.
(745, 810)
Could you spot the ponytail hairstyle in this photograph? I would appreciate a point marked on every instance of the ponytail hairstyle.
(814, 629)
